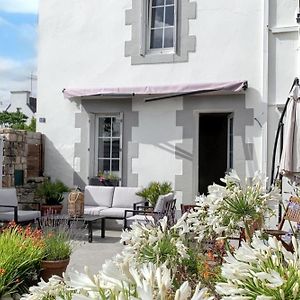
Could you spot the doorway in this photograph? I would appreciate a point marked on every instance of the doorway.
(215, 148)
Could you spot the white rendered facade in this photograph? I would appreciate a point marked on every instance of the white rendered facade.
(94, 44)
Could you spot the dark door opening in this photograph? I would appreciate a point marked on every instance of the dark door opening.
(215, 148)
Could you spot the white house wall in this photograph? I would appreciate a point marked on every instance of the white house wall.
(82, 45)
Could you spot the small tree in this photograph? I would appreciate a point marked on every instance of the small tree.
(16, 120)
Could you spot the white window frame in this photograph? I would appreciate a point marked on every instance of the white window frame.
(96, 158)
(169, 50)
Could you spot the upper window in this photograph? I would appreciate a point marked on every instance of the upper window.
(160, 31)
(162, 24)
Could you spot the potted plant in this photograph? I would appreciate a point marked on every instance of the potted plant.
(105, 179)
(57, 251)
(52, 192)
(154, 190)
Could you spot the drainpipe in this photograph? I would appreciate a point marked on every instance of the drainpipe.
(298, 21)
(265, 85)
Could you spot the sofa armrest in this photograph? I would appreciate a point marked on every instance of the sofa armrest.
(15, 211)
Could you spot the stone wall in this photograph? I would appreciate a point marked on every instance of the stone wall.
(22, 161)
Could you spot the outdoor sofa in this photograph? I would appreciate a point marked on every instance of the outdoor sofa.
(110, 202)
(9, 210)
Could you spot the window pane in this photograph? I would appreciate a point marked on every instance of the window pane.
(157, 2)
(168, 43)
(115, 127)
(156, 38)
(170, 2)
(115, 148)
(157, 17)
(169, 20)
(103, 165)
(104, 127)
(115, 165)
(103, 148)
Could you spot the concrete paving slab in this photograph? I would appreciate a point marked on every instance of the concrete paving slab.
(96, 253)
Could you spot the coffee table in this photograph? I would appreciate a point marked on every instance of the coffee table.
(89, 220)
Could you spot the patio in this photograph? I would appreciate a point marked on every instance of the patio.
(94, 254)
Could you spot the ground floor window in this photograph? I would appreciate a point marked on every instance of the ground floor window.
(108, 144)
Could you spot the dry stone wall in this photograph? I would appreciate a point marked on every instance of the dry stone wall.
(22, 161)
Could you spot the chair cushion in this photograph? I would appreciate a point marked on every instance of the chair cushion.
(140, 219)
(93, 210)
(161, 201)
(8, 197)
(98, 195)
(114, 212)
(23, 215)
(125, 197)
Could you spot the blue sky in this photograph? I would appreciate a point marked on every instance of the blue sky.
(18, 45)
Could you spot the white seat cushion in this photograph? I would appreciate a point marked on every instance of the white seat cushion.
(98, 195)
(23, 215)
(8, 197)
(140, 219)
(93, 210)
(125, 197)
(114, 212)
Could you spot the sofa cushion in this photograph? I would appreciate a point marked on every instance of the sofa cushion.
(125, 197)
(8, 197)
(114, 212)
(93, 210)
(161, 202)
(98, 195)
(23, 215)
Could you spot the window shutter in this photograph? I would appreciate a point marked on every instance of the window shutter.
(144, 26)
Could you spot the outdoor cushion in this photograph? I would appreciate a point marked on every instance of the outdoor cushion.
(140, 219)
(93, 210)
(161, 202)
(8, 197)
(114, 212)
(23, 215)
(125, 197)
(98, 195)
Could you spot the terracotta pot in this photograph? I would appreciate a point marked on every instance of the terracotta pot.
(53, 267)
(47, 210)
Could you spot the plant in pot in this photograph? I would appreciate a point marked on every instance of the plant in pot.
(52, 192)
(57, 251)
(105, 178)
(154, 190)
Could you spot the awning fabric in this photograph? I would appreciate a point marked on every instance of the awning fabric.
(232, 86)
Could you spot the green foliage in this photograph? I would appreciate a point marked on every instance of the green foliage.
(57, 243)
(154, 190)
(52, 191)
(16, 120)
(21, 251)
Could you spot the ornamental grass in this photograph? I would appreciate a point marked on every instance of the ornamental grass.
(21, 250)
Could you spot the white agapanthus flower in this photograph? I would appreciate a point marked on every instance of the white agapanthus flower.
(261, 270)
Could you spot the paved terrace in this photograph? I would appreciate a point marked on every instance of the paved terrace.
(94, 254)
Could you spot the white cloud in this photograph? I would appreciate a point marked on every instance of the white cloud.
(15, 76)
(19, 6)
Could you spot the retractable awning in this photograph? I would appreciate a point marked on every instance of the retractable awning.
(167, 90)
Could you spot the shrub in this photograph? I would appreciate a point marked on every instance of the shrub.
(154, 190)
(21, 251)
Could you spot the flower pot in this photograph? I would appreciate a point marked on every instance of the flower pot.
(53, 267)
(47, 210)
